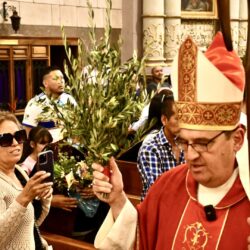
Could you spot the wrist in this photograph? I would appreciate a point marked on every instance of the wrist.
(118, 204)
(23, 201)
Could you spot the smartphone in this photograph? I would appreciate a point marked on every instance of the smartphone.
(46, 163)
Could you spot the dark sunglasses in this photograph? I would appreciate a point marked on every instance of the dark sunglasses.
(6, 140)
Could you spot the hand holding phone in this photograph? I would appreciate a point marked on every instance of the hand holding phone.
(46, 163)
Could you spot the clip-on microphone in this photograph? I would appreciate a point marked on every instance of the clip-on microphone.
(210, 212)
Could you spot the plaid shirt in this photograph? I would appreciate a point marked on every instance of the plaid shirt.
(154, 158)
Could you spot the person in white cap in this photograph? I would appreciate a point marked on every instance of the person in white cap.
(201, 204)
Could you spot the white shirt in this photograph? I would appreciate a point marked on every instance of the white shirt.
(142, 120)
(35, 106)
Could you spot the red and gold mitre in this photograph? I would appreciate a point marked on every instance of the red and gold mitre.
(208, 86)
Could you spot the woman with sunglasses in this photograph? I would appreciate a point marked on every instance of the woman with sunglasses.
(18, 227)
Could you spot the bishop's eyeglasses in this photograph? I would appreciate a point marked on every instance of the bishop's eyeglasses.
(198, 147)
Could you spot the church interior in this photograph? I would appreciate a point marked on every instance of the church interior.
(35, 34)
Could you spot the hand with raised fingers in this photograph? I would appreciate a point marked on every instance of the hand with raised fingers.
(112, 186)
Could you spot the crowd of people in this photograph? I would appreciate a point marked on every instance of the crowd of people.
(193, 194)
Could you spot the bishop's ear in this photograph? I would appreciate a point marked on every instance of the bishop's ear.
(238, 137)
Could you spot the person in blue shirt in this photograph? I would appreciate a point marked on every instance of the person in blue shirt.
(159, 152)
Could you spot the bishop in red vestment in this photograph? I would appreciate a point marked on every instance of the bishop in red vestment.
(183, 223)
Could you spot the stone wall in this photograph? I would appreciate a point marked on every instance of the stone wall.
(45, 17)
(166, 25)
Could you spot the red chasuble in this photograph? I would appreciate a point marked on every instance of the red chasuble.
(171, 217)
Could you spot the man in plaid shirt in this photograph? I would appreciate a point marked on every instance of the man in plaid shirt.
(160, 153)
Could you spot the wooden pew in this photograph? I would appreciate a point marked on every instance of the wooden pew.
(60, 242)
(131, 179)
(57, 229)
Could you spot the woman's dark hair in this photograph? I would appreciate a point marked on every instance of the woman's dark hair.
(40, 135)
(161, 104)
(37, 135)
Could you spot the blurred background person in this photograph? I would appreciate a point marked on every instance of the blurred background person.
(40, 137)
(157, 75)
(157, 80)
